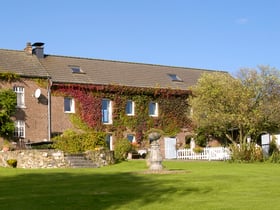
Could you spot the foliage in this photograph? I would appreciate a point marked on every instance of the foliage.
(72, 142)
(43, 83)
(172, 117)
(198, 149)
(234, 108)
(12, 163)
(121, 148)
(274, 153)
(246, 152)
(7, 110)
(9, 76)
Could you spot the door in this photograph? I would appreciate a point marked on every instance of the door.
(170, 148)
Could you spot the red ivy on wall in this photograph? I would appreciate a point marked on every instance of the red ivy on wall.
(173, 104)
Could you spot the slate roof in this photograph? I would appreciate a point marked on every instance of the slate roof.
(21, 63)
(97, 71)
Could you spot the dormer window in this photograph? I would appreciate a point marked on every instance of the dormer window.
(175, 78)
(76, 69)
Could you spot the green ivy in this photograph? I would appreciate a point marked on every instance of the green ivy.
(9, 77)
(7, 110)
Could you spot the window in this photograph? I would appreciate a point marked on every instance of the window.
(109, 141)
(129, 109)
(20, 96)
(106, 111)
(153, 109)
(19, 129)
(69, 105)
(175, 78)
(130, 137)
(76, 69)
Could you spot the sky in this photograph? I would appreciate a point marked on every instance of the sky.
(222, 35)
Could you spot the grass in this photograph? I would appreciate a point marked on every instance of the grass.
(201, 185)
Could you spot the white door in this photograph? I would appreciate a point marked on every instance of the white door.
(170, 148)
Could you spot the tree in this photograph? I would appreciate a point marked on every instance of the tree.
(7, 110)
(237, 108)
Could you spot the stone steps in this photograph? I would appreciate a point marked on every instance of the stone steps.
(80, 161)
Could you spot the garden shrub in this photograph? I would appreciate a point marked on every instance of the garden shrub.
(274, 153)
(246, 152)
(12, 163)
(121, 149)
(72, 142)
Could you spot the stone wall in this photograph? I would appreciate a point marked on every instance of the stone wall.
(51, 158)
(35, 159)
(101, 157)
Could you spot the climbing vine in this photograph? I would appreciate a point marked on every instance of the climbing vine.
(173, 108)
(9, 76)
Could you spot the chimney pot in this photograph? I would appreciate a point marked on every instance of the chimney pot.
(28, 48)
(38, 49)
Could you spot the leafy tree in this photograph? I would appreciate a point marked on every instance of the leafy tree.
(237, 108)
(7, 110)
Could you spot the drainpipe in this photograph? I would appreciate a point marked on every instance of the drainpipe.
(49, 108)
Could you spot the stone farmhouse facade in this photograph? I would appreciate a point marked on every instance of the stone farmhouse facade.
(52, 89)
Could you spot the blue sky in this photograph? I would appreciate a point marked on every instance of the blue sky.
(208, 34)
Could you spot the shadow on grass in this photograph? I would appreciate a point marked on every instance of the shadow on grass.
(86, 189)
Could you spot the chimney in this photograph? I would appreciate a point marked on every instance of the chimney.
(38, 49)
(28, 48)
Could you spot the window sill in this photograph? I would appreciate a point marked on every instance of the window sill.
(69, 112)
(130, 114)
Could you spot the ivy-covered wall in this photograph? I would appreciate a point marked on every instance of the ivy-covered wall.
(173, 108)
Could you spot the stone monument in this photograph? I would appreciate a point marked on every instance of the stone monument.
(155, 158)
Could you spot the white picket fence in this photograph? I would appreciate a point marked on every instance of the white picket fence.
(208, 153)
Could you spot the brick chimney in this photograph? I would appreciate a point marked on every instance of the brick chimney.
(28, 48)
(38, 49)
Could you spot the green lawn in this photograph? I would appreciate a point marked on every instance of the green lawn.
(197, 185)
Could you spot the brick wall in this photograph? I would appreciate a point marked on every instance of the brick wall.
(35, 113)
(60, 120)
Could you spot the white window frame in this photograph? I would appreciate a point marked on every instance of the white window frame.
(19, 131)
(19, 90)
(155, 111)
(106, 113)
(132, 107)
(71, 105)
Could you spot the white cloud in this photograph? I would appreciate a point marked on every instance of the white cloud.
(242, 21)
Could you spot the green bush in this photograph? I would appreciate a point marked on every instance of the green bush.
(121, 149)
(12, 163)
(72, 142)
(274, 153)
(246, 152)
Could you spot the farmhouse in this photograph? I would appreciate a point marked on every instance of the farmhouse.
(123, 99)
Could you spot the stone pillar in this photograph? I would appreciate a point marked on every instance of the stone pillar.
(155, 157)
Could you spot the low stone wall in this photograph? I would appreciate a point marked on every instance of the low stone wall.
(51, 158)
(35, 159)
(101, 157)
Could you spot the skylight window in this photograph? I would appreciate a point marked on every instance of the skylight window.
(175, 78)
(76, 69)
